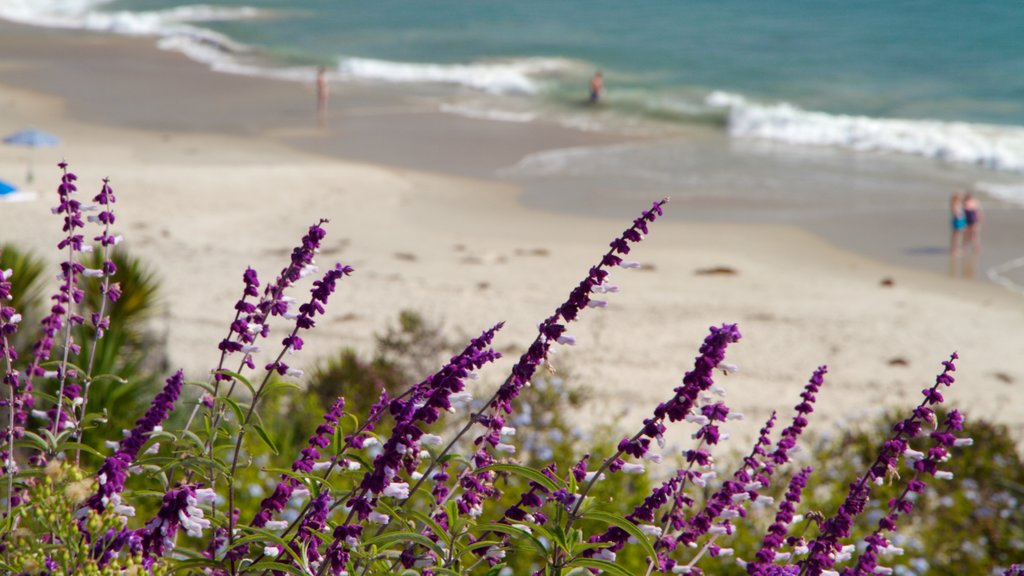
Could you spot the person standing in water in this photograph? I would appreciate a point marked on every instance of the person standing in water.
(972, 216)
(596, 87)
(958, 221)
(321, 96)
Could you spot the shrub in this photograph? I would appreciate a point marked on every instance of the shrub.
(389, 489)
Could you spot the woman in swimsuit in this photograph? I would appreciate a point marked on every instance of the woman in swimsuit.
(959, 222)
(972, 217)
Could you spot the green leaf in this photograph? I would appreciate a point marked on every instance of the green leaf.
(391, 537)
(35, 440)
(606, 566)
(432, 524)
(204, 385)
(525, 472)
(240, 378)
(620, 522)
(239, 413)
(83, 447)
(266, 439)
(111, 377)
(512, 531)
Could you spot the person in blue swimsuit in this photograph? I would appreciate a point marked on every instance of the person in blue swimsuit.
(958, 221)
(972, 218)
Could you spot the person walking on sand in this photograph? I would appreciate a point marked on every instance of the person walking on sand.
(321, 96)
(958, 221)
(972, 216)
(596, 87)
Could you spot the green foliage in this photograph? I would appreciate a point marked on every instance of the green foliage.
(58, 493)
(27, 285)
(960, 526)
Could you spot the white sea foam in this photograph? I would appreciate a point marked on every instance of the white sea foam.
(488, 114)
(176, 27)
(497, 77)
(1013, 193)
(989, 146)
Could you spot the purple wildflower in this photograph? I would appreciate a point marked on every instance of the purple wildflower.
(778, 530)
(180, 509)
(821, 554)
(114, 471)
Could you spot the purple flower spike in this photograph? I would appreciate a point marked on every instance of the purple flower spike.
(180, 509)
(821, 554)
(776, 535)
(114, 471)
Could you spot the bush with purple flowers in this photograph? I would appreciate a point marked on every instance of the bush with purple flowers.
(426, 480)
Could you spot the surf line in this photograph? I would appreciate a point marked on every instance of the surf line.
(997, 274)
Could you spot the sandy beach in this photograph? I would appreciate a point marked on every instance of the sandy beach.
(216, 172)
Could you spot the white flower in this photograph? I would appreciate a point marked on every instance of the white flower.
(300, 493)
(92, 272)
(503, 447)
(606, 288)
(605, 554)
(627, 264)
(752, 486)
(680, 569)
(718, 530)
(508, 431)
(321, 466)
(725, 551)
(699, 419)
(944, 475)
(15, 318)
(460, 399)
(397, 490)
(597, 304)
(378, 518)
(567, 339)
(110, 444)
(271, 550)
(963, 442)
(431, 440)
(294, 372)
(276, 525)
(728, 368)
(891, 550)
(650, 530)
(6, 274)
(735, 416)
(250, 349)
(653, 457)
(353, 465)
(495, 553)
(782, 556)
(882, 570)
(205, 495)
(630, 468)
(741, 497)
(590, 476)
(124, 510)
(910, 454)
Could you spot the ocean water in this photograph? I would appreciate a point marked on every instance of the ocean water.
(941, 79)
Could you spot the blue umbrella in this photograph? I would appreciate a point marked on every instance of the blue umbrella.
(32, 138)
(6, 188)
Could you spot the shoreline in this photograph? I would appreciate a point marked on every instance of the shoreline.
(465, 251)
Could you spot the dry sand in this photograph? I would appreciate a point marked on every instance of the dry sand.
(200, 207)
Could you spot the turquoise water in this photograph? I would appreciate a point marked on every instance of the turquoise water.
(938, 79)
(943, 60)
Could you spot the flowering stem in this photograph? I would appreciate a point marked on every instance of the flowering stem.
(10, 378)
(69, 275)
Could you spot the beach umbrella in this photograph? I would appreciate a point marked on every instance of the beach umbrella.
(33, 139)
(6, 188)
